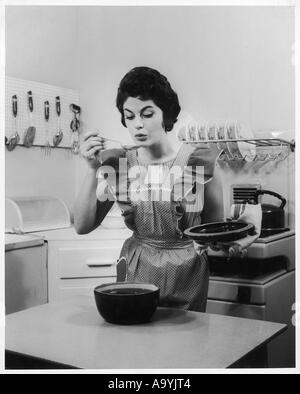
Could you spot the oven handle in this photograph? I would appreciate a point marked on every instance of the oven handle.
(244, 294)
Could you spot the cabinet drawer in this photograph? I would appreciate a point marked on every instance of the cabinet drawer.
(87, 262)
(71, 287)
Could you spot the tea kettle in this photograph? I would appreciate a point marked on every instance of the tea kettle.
(272, 215)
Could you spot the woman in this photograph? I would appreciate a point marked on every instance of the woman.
(157, 252)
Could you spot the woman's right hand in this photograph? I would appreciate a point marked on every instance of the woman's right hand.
(92, 144)
(128, 216)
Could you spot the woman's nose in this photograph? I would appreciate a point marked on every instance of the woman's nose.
(138, 123)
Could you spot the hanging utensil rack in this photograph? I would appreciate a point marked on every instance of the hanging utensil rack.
(42, 146)
(41, 92)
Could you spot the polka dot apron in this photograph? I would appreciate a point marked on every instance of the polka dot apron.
(158, 252)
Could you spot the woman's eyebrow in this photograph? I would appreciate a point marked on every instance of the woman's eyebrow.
(143, 109)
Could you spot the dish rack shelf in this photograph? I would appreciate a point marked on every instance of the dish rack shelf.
(285, 148)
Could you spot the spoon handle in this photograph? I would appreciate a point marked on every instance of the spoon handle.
(15, 105)
(57, 105)
(125, 147)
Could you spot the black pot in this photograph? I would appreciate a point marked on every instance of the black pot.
(127, 302)
(272, 215)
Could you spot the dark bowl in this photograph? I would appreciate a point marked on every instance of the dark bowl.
(219, 232)
(126, 302)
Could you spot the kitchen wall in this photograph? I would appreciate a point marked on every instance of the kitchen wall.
(41, 46)
(224, 63)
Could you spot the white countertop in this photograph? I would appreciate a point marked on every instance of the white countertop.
(73, 333)
(19, 241)
(68, 234)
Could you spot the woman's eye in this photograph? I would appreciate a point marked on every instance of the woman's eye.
(128, 117)
(148, 115)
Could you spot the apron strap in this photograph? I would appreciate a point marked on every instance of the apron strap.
(183, 155)
(131, 156)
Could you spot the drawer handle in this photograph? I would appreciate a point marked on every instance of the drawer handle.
(97, 265)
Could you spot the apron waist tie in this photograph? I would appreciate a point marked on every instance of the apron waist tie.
(175, 243)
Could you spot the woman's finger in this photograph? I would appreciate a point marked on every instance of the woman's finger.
(92, 144)
(237, 251)
(94, 140)
(215, 247)
(89, 134)
(200, 249)
(91, 153)
(88, 150)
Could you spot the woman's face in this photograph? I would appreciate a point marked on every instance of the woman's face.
(144, 121)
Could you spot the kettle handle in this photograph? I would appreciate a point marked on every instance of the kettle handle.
(283, 200)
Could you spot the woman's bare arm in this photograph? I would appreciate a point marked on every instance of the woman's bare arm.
(213, 210)
(88, 210)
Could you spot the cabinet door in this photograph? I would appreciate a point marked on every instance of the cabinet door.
(25, 278)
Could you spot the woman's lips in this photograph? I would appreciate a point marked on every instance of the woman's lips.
(141, 137)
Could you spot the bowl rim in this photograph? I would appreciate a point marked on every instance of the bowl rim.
(190, 231)
(106, 286)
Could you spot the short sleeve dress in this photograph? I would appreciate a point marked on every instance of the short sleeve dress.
(164, 206)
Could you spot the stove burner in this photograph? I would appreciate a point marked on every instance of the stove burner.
(267, 232)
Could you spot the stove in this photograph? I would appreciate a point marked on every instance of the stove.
(266, 233)
(260, 286)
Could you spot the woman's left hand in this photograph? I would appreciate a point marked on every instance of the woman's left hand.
(230, 249)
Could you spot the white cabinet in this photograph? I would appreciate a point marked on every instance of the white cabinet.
(78, 266)
(25, 277)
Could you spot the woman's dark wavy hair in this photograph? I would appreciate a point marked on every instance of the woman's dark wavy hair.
(148, 84)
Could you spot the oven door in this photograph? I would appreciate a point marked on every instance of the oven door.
(257, 312)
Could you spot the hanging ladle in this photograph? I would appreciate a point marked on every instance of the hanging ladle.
(74, 125)
(15, 138)
(58, 136)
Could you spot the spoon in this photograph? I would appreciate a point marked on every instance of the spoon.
(47, 146)
(15, 138)
(101, 155)
(30, 132)
(126, 147)
(58, 136)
